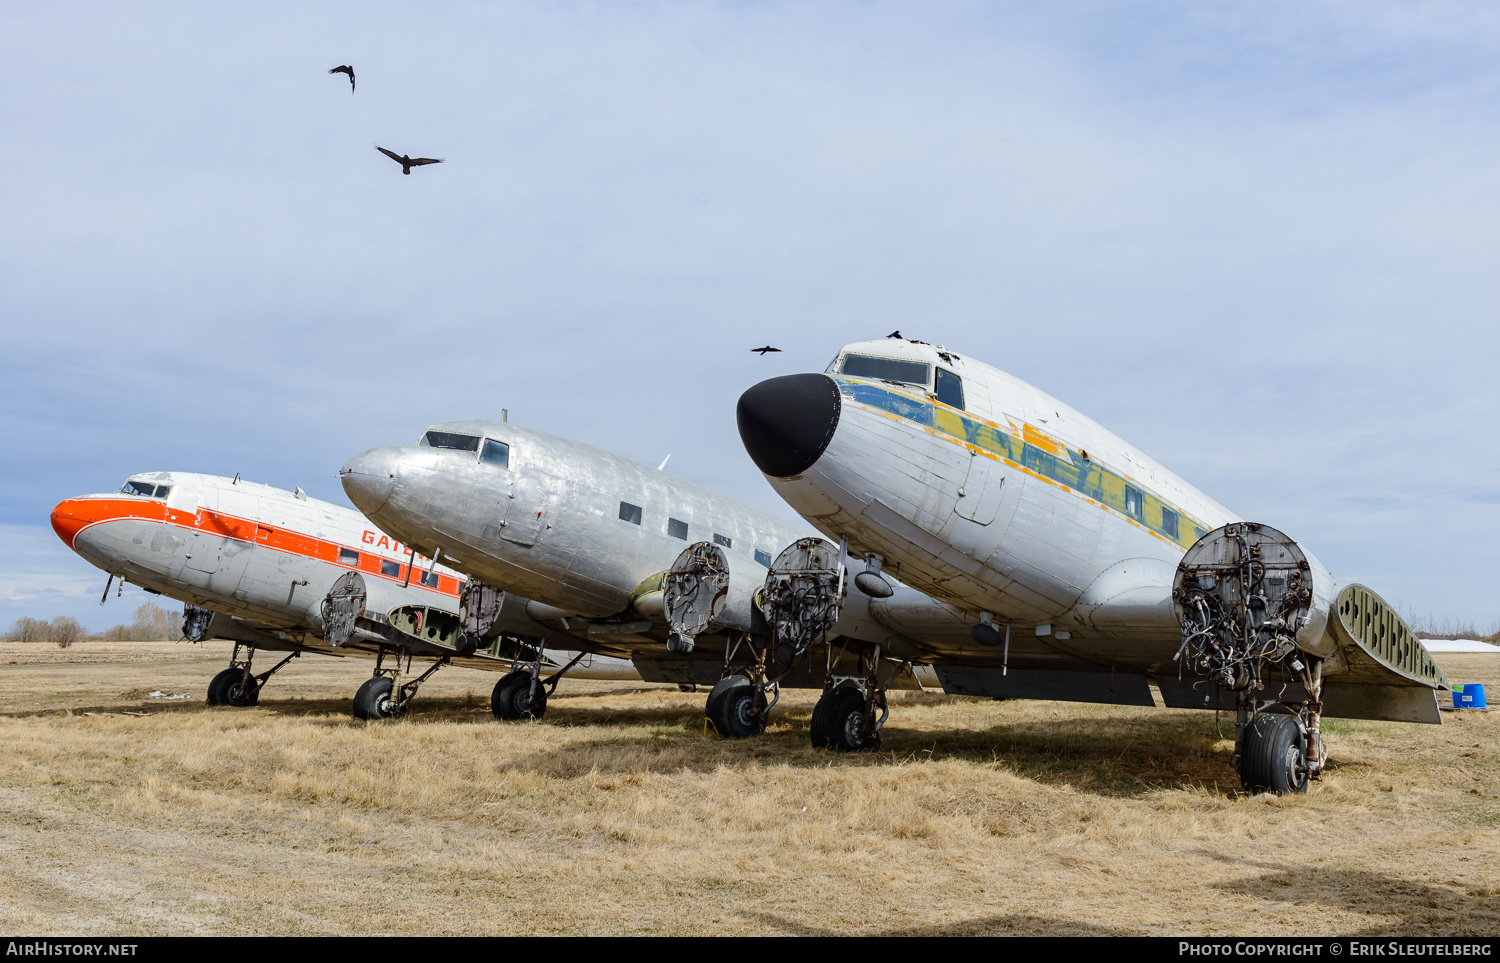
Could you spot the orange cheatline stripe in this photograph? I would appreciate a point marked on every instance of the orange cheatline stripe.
(73, 516)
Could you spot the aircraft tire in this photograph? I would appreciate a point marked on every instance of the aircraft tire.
(1271, 756)
(373, 700)
(731, 707)
(822, 724)
(502, 699)
(512, 697)
(218, 686)
(845, 721)
(235, 695)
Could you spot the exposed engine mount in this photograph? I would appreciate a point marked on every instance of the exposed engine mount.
(195, 622)
(478, 608)
(802, 596)
(342, 607)
(1253, 622)
(707, 589)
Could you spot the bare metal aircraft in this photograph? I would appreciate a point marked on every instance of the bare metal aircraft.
(1084, 570)
(277, 570)
(692, 586)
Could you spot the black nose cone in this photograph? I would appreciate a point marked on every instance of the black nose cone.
(787, 422)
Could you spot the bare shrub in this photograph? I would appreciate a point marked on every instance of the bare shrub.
(65, 630)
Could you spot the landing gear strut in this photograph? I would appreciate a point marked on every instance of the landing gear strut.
(385, 696)
(739, 704)
(236, 686)
(523, 693)
(1278, 746)
(845, 717)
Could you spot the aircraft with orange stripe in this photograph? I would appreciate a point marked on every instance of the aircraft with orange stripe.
(281, 571)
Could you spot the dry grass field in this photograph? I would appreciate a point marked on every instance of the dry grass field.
(615, 814)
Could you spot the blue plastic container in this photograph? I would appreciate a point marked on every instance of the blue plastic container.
(1468, 696)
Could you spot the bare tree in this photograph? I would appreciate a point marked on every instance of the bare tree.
(29, 630)
(152, 623)
(66, 630)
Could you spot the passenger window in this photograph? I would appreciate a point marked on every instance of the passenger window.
(390, 569)
(886, 369)
(950, 388)
(349, 556)
(763, 558)
(448, 439)
(1132, 502)
(495, 453)
(630, 513)
(430, 579)
(723, 540)
(677, 528)
(1198, 533)
(1169, 522)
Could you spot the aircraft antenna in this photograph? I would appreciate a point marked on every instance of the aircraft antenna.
(664, 462)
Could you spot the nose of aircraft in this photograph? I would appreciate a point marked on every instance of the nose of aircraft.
(369, 477)
(787, 422)
(69, 518)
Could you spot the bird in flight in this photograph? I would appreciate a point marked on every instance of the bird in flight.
(407, 163)
(894, 334)
(345, 69)
(763, 351)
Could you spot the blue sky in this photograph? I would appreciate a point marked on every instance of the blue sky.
(1257, 241)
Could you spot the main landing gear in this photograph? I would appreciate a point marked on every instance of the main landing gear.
(522, 693)
(385, 696)
(845, 717)
(739, 704)
(236, 685)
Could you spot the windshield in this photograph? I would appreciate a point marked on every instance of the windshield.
(149, 491)
(448, 439)
(887, 369)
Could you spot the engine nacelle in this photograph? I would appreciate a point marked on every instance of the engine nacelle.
(707, 590)
(478, 608)
(342, 607)
(1247, 596)
(802, 596)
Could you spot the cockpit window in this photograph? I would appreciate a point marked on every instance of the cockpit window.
(886, 369)
(950, 388)
(449, 439)
(495, 453)
(149, 491)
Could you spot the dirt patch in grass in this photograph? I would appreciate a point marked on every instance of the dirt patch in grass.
(615, 814)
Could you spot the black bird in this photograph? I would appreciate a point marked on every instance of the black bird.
(345, 69)
(894, 334)
(407, 163)
(763, 351)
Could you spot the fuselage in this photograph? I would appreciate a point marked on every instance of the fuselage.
(555, 520)
(266, 558)
(984, 491)
(590, 533)
(244, 549)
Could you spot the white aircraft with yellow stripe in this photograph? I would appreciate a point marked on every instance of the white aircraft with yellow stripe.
(1087, 571)
(278, 570)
